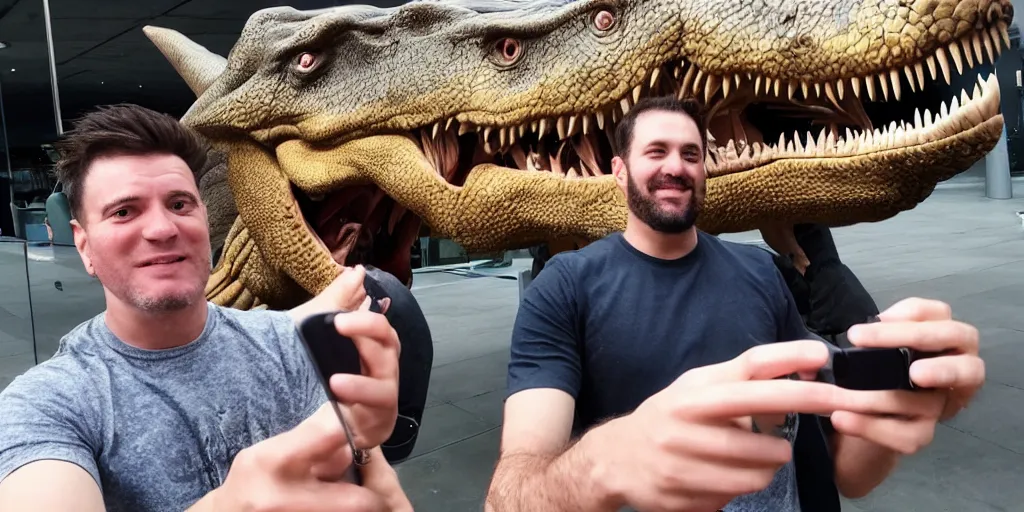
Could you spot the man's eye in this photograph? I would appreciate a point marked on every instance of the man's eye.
(123, 212)
(179, 205)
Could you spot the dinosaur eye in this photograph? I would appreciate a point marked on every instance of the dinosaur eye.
(508, 49)
(604, 20)
(306, 61)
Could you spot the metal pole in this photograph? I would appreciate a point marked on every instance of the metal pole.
(53, 67)
(31, 310)
(7, 150)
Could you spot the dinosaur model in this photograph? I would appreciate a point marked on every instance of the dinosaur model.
(347, 131)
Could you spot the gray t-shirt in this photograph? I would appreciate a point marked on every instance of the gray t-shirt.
(158, 430)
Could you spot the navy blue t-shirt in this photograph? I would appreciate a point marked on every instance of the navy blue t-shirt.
(612, 326)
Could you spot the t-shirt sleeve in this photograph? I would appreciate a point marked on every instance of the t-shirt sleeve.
(43, 418)
(545, 351)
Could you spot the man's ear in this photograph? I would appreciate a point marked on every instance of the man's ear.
(82, 244)
(619, 171)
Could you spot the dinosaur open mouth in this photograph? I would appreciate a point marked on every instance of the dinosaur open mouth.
(753, 121)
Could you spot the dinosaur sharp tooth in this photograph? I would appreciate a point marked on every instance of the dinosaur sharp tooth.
(654, 76)
(586, 124)
(636, 93)
(448, 123)
(465, 128)
(940, 55)
(910, 77)
(757, 85)
(487, 133)
(543, 128)
(855, 81)
(804, 87)
(791, 90)
(572, 126)
(600, 120)
(919, 72)
(1004, 34)
(954, 52)
(870, 82)
(917, 118)
(883, 80)
(714, 82)
(965, 44)
(993, 34)
(931, 66)
(560, 126)
(435, 130)
(976, 43)
(726, 86)
(817, 90)
(841, 88)
(894, 76)
(624, 103)
(687, 84)
(831, 95)
(502, 137)
(522, 130)
(988, 46)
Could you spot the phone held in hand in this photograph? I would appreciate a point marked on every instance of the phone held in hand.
(332, 353)
(871, 369)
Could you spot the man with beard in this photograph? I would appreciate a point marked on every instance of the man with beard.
(662, 368)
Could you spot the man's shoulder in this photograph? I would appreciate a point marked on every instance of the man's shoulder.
(740, 255)
(254, 322)
(596, 253)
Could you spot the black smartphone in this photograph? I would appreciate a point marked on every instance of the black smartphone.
(331, 353)
(871, 369)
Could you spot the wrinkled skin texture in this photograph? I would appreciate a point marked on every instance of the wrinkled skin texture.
(349, 130)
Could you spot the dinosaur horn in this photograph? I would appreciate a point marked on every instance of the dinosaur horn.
(197, 65)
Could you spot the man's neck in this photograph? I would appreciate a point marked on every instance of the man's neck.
(656, 244)
(156, 330)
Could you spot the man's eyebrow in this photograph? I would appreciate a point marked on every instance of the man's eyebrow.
(184, 193)
(119, 201)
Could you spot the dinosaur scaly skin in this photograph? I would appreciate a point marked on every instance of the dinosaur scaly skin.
(347, 128)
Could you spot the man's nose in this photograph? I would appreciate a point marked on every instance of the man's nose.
(159, 226)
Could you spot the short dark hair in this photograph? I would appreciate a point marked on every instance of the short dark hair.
(689, 106)
(122, 129)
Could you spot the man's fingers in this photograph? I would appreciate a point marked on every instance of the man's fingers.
(738, 399)
(901, 435)
(916, 309)
(763, 362)
(315, 439)
(935, 336)
(369, 325)
(962, 371)
(334, 496)
(367, 391)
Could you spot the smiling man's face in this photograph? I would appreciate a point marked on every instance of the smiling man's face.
(143, 231)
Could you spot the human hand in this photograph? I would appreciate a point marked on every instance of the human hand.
(370, 400)
(691, 447)
(299, 470)
(905, 421)
(380, 477)
(345, 293)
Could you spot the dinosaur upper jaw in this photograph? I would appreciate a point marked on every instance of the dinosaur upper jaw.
(373, 193)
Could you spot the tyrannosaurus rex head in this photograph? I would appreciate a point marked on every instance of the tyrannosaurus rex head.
(347, 128)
